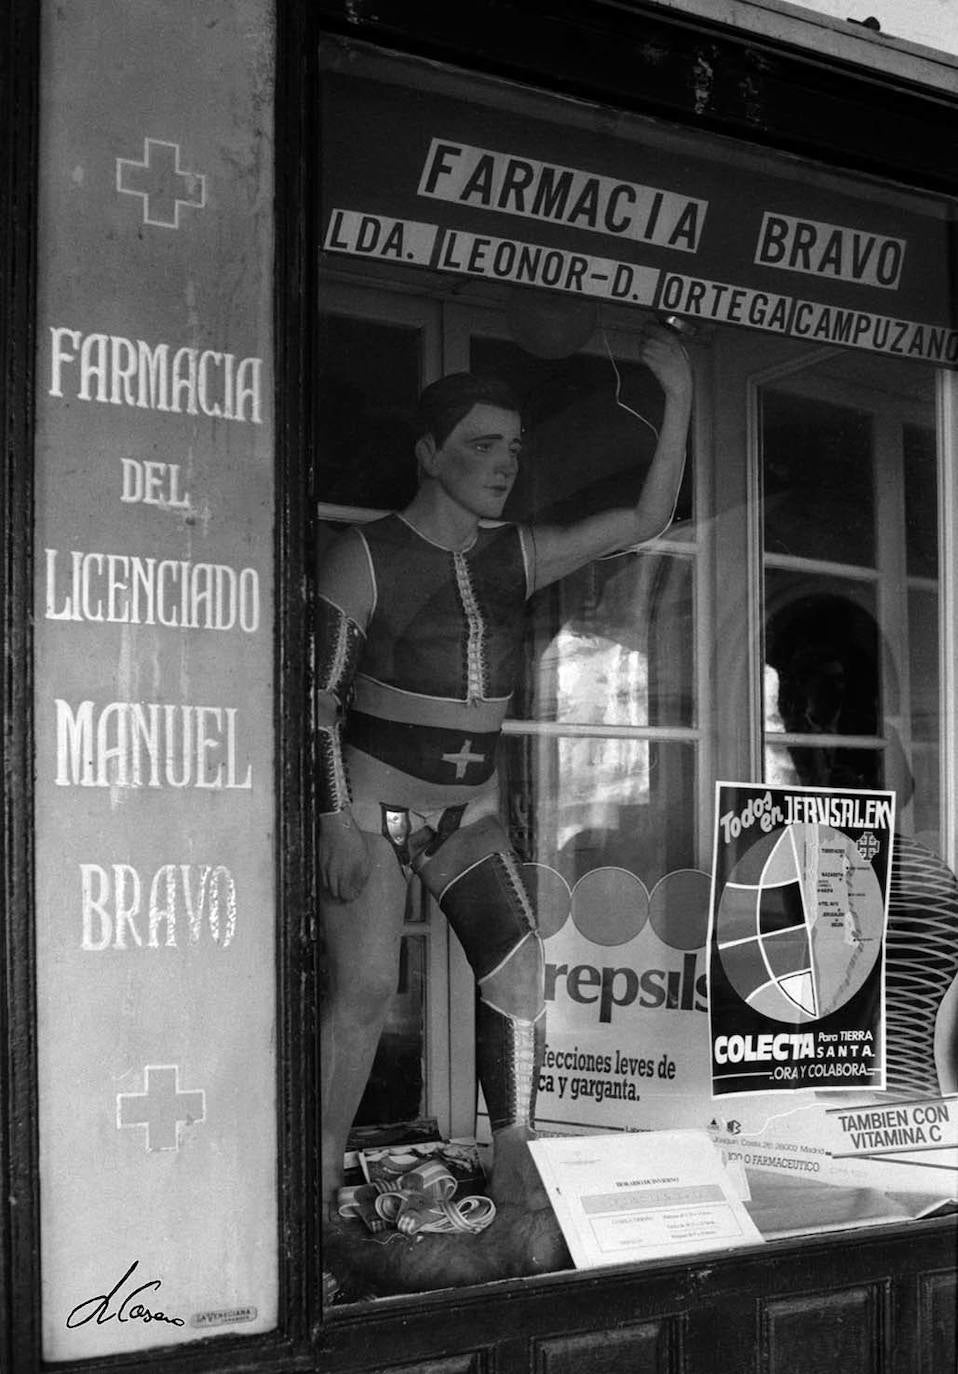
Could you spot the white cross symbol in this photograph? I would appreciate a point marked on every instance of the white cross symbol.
(463, 759)
(868, 845)
(161, 183)
(162, 1108)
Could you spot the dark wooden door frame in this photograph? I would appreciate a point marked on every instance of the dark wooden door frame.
(633, 55)
(19, 1209)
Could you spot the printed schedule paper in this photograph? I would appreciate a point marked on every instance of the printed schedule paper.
(628, 1197)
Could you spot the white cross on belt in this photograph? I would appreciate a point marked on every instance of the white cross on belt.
(463, 759)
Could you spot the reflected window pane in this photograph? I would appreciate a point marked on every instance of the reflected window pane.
(582, 803)
(815, 455)
(368, 386)
(612, 645)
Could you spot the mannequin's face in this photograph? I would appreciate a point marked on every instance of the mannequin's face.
(477, 464)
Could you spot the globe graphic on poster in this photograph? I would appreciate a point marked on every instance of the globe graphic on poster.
(799, 926)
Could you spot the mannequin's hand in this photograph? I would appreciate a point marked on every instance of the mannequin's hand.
(344, 861)
(663, 353)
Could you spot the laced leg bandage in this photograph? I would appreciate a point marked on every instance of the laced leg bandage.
(339, 644)
(489, 909)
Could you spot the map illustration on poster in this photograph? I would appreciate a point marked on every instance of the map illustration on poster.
(797, 937)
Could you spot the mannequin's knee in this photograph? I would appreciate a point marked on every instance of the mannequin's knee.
(516, 984)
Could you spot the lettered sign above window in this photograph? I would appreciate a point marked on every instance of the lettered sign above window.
(631, 215)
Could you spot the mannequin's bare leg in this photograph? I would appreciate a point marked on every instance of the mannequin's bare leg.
(361, 961)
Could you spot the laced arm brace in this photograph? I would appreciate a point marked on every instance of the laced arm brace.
(340, 642)
(343, 606)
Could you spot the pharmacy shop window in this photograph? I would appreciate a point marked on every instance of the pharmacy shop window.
(788, 627)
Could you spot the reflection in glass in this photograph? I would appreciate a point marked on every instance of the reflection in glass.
(584, 802)
(612, 645)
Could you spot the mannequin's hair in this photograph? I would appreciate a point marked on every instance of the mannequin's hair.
(443, 404)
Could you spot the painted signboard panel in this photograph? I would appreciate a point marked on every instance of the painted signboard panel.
(154, 778)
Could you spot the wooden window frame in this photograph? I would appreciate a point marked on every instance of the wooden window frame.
(633, 57)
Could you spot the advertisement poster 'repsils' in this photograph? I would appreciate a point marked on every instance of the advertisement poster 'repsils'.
(796, 943)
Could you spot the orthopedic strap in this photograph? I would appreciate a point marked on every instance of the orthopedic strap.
(339, 642)
(489, 909)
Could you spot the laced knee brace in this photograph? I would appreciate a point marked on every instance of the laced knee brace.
(489, 909)
(339, 644)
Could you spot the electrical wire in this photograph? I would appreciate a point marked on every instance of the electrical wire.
(649, 425)
(618, 388)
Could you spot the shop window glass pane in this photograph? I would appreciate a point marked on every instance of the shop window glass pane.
(368, 386)
(818, 480)
(582, 452)
(921, 500)
(580, 803)
(612, 645)
(602, 770)
(395, 1091)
